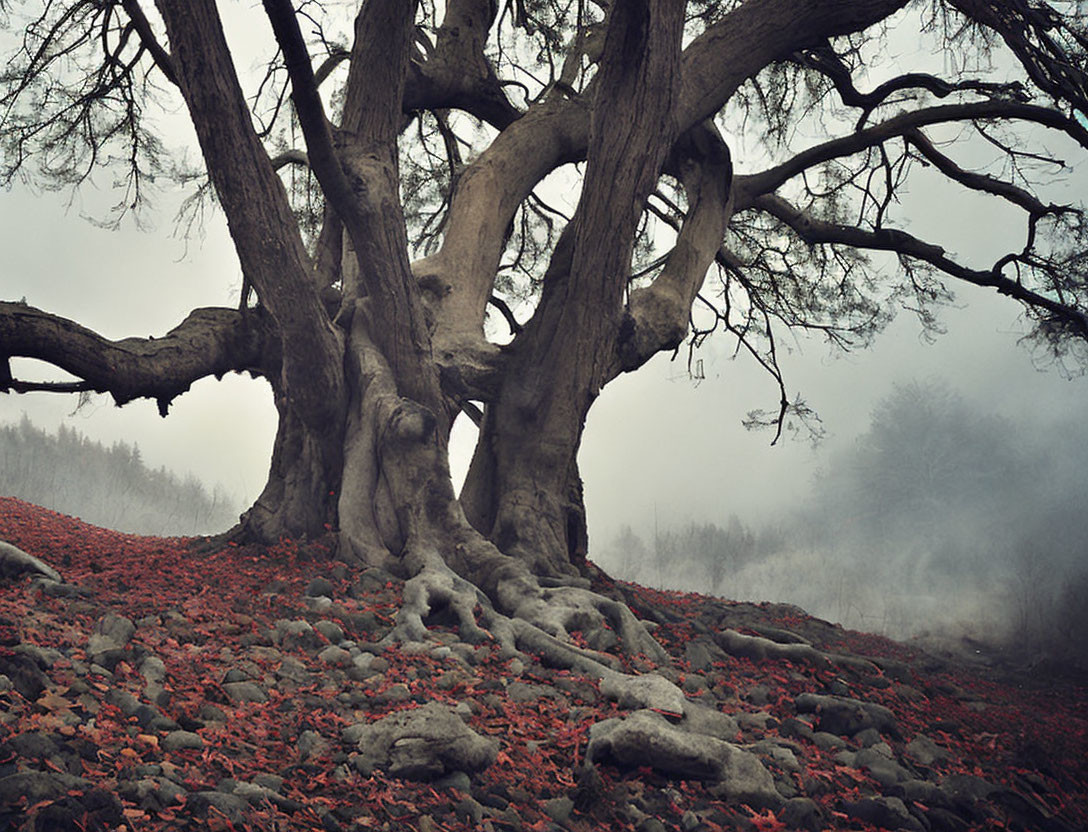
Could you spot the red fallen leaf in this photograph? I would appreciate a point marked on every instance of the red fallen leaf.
(767, 822)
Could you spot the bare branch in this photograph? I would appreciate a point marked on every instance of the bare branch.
(209, 342)
(825, 60)
(1051, 46)
(507, 313)
(291, 157)
(147, 37)
(813, 230)
(981, 182)
(308, 107)
(770, 180)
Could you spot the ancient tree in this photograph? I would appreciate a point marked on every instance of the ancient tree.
(384, 186)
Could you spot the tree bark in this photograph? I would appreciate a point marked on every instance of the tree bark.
(523, 488)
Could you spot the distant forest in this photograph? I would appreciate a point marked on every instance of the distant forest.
(107, 486)
(942, 517)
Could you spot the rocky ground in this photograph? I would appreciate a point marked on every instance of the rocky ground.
(146, 686)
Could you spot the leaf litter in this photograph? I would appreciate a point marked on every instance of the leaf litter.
(229, 704)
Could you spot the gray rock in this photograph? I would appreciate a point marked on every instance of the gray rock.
(211, 713)
(422, 744)
(335, 656)
(15, 562)
(293, 670)
(925, 750)
(700, 719)
(311, 744)
(269, 781)
(258, 795)
(44, 657)
(233, 806)
(106, 646)
(885, 812)
(178, 740)
(559, 809)
(394, 694)
(153, 669)
(34, 744)
(966, 789)
(456, 780)
(123, 701)
(827, 742)
(318, 587)
(320, 604)
(846, 717)
(879, 763)
(647, 737)
(922, 791)
(239, 692)
(524, 692)
(802, 813)
(469, 809)
(115, 629)
(59, 589)
(152, 719)
(37, 786)
(292, 635)
(94, 808)
(330, 630)
(151, 793)
(648, 691)
(702, 653)
(782, 756)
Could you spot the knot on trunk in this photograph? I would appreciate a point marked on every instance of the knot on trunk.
(410, 423)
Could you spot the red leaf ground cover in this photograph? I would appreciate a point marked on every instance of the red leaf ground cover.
(96, 747)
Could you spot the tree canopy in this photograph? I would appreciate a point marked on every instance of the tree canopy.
(388, 181)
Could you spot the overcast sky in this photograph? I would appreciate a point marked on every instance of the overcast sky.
(656, 441)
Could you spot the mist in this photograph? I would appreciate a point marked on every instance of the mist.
(941, 517)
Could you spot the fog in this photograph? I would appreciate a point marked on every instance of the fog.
(952, 510)
(663, 452)
(659, 445)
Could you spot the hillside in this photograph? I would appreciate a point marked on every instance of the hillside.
(159, 687)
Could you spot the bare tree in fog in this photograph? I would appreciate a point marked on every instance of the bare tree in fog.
(402, 195)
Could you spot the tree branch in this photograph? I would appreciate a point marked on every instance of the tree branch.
(814, 231)
(767, 181)
(1033, 31)
(825, 61)
(456, 73)
(264, 229)
(161, 57)
(290, 157)
(981, 182)
(209, 342)
(308, 107)
(658, 314)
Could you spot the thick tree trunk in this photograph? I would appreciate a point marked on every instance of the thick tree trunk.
(523, 487)
(300, 498)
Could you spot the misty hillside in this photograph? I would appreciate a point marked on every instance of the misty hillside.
(147, 686)
(941, 518)
(106, 486)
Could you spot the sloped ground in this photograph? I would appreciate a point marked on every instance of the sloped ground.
(155, 688)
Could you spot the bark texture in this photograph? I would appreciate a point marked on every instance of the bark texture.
(370, 356)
